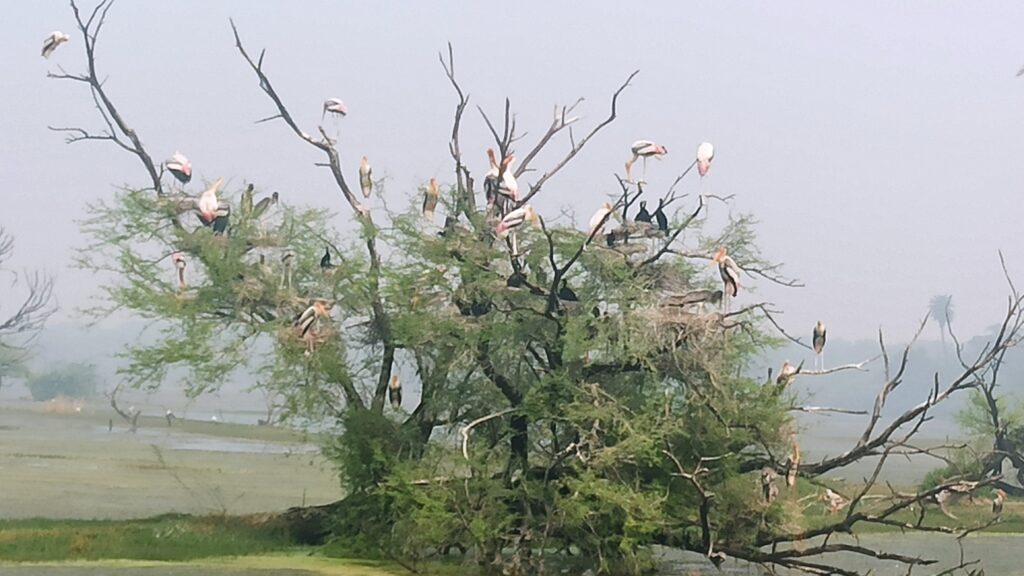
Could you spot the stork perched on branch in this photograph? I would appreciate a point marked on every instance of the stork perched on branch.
(729, 272)
(818, 341)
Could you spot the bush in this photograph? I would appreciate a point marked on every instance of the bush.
(71, 380)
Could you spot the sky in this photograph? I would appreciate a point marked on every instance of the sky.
(877, 143)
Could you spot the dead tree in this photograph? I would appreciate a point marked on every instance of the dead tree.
(21, 325)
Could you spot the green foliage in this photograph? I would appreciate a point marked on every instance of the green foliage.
(75, 380)
(963, 463)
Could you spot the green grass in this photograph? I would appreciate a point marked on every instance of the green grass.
(168, 538)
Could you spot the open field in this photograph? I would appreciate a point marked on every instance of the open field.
(72, 493)
(70, 466)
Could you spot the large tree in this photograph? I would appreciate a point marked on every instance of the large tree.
(565, 390)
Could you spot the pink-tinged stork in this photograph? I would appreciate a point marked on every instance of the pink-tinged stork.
(55, 39)
(334, 106)
(516, 218)
(643, 149)
(365, 177)
(208, 204)
(508, 188)
(705, 154)
(179, 167)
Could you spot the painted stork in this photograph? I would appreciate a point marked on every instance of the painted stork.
(786, 374)
(643, 149)
(491, 179)
(223, 219)
(395, 392)
(334, 106)
(998, 499)
(179, 263)
(430, 198)
(325, 261)
(264, 204)
(769, 489)
(288, 263)
(245, 205)
(705, 154)
(365, 177)
(834, 501)
(319, 309)
(179, 167)
(599, 218)
(55, 39)
(208, 205)
(818, 341)
(643, 215)
(516, 218)
(729, 272)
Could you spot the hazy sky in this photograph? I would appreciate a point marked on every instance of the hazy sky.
(878, 144)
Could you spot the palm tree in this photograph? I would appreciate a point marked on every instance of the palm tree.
(940, 307)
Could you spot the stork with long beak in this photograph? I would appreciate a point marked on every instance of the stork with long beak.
(786, 374)
(643, 149)
(395, 392)
(430, 198)
(179, 167)
(365, 177)
(179, 263)
(55, 39)
(245, 205)
(705, 154)
(508, 188)
(516, 218)
(729, 272)
(334, 106)
(818, 341)
(997, 501)
(208, 204)
(288, 263)
(597, 221)
(491, 179)
(319, 309)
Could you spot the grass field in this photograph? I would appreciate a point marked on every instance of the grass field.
(79, 500)
(70, 466)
